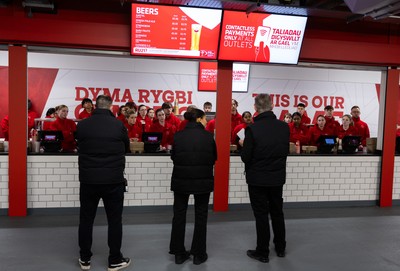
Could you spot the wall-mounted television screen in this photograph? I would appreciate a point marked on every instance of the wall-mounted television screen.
(261, 37)
(173, 31)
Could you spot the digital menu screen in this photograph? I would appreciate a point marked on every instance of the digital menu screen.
(174, 31)
(207, 80)
(261, 37)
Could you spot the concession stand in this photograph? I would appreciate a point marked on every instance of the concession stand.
(152, 53)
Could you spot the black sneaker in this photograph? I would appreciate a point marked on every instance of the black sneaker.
(85, 265)
(125, 262)
(254, 254)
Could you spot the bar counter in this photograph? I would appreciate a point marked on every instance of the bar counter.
(350, 180)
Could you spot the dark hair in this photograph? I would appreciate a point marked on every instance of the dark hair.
(235, 102)
(159, 110)
(86, 100)
(131, 105)
(142, 105)
(356, 106)
(301, 105)
(246, 112)
(166, 105)
(328, 107)
(207, 104)
(296, 114)
(194, 114)
(50, 111)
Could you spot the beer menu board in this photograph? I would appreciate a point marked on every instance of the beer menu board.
(174, 31)
(261, 37)
(207, 80)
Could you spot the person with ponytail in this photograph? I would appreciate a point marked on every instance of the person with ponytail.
(193, 154)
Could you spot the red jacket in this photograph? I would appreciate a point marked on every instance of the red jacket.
(143, 124)
(316, 132)
(134, 131)
(236, 119)
(210, 127)
(235, 138)
(305, 119)
(300, 133)
(173, 120)
(84, 114)
(332, 124)
(351, 131)
(182, 125)
(168, 131)
(362, 129)
(67, 127)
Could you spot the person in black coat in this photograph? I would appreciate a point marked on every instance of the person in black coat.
(194, 154)
(102, 144)
(265, 150)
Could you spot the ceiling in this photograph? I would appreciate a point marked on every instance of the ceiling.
(380, 11)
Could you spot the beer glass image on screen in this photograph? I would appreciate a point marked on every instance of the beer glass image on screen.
(262, 37)
(196, 32)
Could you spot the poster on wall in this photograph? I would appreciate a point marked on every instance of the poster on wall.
(55, 79)
(261, 37)
(174, 31)
(208, 76)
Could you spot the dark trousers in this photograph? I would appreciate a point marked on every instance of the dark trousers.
(268, 200)
(177, 244)
(113, 199)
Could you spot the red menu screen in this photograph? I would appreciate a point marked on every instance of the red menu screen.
(261, 37)
(174, 31)
(207, 76)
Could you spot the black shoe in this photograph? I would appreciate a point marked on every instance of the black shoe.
(257, 256)
(280, 253)
(181, 258)
(125, 262)
(199, 259)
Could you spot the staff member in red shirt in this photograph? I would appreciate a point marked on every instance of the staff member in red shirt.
(362, 127)
(169, 116)
(67, 127)
(134, 133)
(236, 118)
(247, 120)
(143, 122)
(161, 126)
(122, 113)
(50, 114)
(87, 106)
(330, 119)
(318, 130)
(347, 128)
(301, 108)
(298, 131)
(183, 123)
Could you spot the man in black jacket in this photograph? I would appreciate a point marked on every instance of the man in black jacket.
(102, 144)
(265, 149)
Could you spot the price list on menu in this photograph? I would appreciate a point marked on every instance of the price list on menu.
(173, 31)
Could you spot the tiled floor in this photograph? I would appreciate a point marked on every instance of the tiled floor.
(319, 239)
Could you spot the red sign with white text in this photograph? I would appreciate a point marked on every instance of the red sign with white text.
(175, 31)
(208, 76)
(261, 37)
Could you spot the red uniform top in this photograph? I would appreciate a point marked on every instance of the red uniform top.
(143, 124)
(168, 132)
(351, 131)
(332, 123)
(67, 127)
(84, 114)
(182, 125)
(398, 132)
(210, 127)
(236, 119)
(122, 118)
(362, 129)
(300, 133)
(173, 120)
(5, 127)
(315, 132)
(305, 119)
(47, 124)
(32, 115)
(235, 138)
(134, 131)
